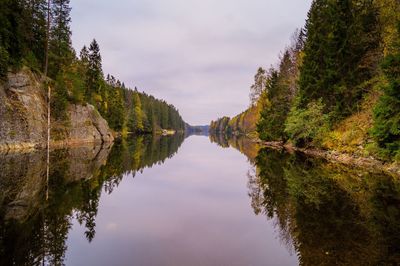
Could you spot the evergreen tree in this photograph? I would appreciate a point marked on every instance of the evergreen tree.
(116, 111)
(22, 33)
(265, 125)
(94, 74)
(84, 56)
(387, 112)
(137, 116)
(60, 50)
(341, 52)
(35, 26)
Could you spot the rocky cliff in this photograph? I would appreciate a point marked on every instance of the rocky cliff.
(23, 117)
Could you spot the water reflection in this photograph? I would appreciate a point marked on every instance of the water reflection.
(34, 231)
(245, 145)
(326, 213)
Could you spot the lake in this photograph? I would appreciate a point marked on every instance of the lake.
(194, 201)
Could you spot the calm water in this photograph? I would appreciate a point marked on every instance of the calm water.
(176, 201)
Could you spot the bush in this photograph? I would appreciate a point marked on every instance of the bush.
(59, 99)
(4, 57)
(304, 126)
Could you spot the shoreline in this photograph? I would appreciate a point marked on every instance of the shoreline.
(26, 147)
(367, 163)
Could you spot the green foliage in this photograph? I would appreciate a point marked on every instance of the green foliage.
(280, 88)
(60, 45)
(342, 51)
(306, 125)
(220, 126)
(23, 37)
(59, 99)
(344, 209)
(116, 112)
(137, 117)
(94, 73)
(270, 126)
(3, 62)
(386, 130)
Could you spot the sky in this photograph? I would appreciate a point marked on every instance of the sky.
(199, 55)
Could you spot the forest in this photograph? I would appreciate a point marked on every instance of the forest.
(32, 37)
(336, 86)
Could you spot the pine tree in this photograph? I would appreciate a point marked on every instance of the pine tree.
(137, 116)
(387, 112)
(116, 110)
(12, 35)
(84, 55)
(94, 74)
(60, 51)
(342, 36)
(35, 27)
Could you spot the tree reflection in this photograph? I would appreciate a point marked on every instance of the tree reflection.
(326, 213)
(34, 231)
(332, 215)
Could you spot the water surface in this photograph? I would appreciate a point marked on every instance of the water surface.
(176, 201)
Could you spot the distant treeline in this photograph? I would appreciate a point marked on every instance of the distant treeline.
(76, 80)
(337, 84)
(244, 123)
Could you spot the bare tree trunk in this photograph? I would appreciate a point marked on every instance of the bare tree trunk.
(48, 142)
(48, 97)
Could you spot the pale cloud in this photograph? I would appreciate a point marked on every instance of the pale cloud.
(200, 55)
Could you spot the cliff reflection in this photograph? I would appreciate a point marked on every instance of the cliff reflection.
(326, 213)
(34, 231)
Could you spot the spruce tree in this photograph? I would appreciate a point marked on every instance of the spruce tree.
(35, 27)
(60, 50)
(387, 112)
(137, 117)
(94, 74)
(342, 36)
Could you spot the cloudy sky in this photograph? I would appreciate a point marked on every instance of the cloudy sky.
(200, 55)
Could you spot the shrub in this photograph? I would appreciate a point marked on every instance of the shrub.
(4, 57)
(304, 126)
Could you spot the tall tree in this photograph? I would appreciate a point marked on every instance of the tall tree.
(94, 75)
(137, 117)
(35, 27)
(47, 39)
(61, 52)
(387, 112)
(341, 52)
(258, 87)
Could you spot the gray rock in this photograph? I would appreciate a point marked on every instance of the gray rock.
(23, 117)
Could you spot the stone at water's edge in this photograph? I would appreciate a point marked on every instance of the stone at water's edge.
(23, 117)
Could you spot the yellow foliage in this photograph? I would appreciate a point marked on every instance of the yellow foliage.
(97, 97)
(389, 15)
(352, 134)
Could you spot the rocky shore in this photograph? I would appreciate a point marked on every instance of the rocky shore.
(367, 163)
(23, 117)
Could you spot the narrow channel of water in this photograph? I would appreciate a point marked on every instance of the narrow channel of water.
(176, 201)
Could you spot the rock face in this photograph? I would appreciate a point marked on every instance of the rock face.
(85, 126)
(23, 117)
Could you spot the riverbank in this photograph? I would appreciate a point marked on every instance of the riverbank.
(366, 163)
